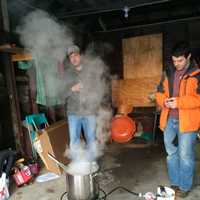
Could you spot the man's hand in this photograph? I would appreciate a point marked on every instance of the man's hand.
(171, 102)
(76, 87)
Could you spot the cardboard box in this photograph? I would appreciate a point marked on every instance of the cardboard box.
(53, 139)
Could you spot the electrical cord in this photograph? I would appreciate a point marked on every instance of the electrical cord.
(104, 193)
(109, 193)
(113, 190)
(147, 195)
(61, 197)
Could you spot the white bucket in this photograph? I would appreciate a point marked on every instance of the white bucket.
(169, 194)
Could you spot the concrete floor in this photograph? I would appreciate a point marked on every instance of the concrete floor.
(137, 169)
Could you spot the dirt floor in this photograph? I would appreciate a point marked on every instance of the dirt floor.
(137, 168)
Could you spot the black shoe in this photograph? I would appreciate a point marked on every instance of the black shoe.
(196, 181)
(181, 193)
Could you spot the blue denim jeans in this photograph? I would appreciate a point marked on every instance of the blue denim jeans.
(181, 155)
(88, 124)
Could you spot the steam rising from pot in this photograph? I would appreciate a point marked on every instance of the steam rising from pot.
(48, 40)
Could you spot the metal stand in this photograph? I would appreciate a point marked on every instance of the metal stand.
(155, 124)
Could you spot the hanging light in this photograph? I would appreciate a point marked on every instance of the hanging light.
(126, 9)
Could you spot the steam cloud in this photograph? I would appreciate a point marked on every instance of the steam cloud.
(47, 40)
(44, 36)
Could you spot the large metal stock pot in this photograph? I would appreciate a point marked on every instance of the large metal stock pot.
(82, 186)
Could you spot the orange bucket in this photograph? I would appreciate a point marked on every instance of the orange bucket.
(122, 129)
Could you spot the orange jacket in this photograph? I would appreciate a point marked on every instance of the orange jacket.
(188, 99)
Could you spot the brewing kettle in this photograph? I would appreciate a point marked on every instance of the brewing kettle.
(81, 186)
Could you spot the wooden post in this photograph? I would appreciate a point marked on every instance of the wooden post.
(13, 100)
(4, 16)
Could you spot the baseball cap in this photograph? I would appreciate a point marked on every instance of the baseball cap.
(73, 49)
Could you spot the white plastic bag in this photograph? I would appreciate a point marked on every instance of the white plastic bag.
(4, 193)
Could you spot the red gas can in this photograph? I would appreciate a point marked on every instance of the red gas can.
(22, 176)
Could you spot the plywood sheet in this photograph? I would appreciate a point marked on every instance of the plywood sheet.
(142, 56)
(142, 59)
(134, 92)
(21, 57)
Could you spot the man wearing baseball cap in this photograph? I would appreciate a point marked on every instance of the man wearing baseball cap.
(80, 114)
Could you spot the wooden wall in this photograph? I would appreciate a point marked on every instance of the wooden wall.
(142, 69)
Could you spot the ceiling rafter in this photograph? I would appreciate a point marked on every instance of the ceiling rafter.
(99, 10)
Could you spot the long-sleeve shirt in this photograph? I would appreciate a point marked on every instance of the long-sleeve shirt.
(92, 91)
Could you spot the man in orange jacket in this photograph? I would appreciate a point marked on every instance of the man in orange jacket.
(178, 95)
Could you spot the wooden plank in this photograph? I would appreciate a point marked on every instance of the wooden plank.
(14, 50)
(134, 92)
(14, 101)
(142, 56)
(21, 57)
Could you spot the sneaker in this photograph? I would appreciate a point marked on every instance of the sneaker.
(181, 193)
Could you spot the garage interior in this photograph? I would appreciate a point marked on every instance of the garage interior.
(134, 39)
